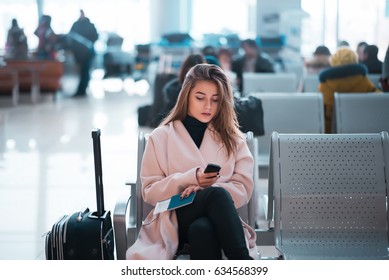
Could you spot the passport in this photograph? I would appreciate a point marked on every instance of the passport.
(173, 203)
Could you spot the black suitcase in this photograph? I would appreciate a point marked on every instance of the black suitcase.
(84, 235)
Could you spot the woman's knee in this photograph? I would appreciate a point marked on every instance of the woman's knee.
(201, 227)
(218, 192)
(221, 194)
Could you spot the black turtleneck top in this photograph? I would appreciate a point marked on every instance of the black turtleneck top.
(195, 128)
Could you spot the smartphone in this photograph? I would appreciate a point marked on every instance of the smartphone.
(212, 168)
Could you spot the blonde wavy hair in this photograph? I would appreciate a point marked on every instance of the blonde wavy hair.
(225, 123)
(344, 56)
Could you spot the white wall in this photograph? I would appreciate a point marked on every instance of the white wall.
(269, 15)
(169, 16)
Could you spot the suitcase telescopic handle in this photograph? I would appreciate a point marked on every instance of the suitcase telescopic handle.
(98, 172)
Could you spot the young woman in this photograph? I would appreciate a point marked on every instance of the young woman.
(202, 128)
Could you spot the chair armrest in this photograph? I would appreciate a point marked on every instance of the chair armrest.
(124, 223)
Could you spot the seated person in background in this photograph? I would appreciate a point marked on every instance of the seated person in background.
(344, 75)
(343, 44)
(210, 55)
(252, 61)
(202, 128)
(225, 59)
(360, 47)
(371, 61)
(172, 88)
(385, 72)
(209, 50)
(319, 61)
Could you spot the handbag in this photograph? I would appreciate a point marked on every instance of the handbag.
(249, 112)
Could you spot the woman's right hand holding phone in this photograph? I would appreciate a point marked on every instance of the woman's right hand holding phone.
(205, 178)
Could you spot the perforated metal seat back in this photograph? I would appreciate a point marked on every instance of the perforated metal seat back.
(330, 195)
(287, 113)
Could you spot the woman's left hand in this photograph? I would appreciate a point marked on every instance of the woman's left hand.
(189, 190)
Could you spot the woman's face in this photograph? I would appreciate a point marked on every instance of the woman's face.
(203, 101)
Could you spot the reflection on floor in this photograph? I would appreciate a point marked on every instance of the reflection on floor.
(46, 159)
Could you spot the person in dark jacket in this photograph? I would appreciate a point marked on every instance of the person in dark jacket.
(344, 75)
(83, 35)
(252, 61)
(385, 73)
(370, 59)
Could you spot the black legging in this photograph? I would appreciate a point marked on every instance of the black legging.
(210, 224)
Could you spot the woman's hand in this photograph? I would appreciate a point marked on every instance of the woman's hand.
(206, 179)
(189, 190)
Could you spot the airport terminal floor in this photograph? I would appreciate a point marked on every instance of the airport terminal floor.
(46, 160)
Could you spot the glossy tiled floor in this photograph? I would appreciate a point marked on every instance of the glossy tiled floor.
(46, 160)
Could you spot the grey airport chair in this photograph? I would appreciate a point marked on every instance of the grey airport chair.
(330, 195)
(285, 113)
(361, 112)
(269, 82)
(289, 113)
(130, 209)
(375, 79)
(311, 83)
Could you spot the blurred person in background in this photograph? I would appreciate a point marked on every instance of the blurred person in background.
(172, 88)
(224, 56)
(47, 39)
(343, 44)
(344, 75)
(83, 36)
(385, 72)
(360, 48)
(16, 45)
(253, 60)
(320, 60)
(371, 61)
